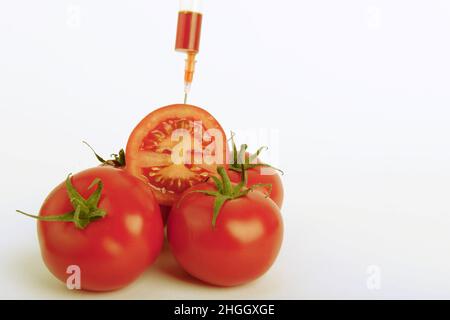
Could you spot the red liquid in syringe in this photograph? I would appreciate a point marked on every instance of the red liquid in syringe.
(188, 31)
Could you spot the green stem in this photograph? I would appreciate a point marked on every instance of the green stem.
(118, 160)
(67, 217)
(225, 180)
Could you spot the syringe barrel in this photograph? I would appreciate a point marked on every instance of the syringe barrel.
(189, 26)
(191, 5)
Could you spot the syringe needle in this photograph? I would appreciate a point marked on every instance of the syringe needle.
(187, 88)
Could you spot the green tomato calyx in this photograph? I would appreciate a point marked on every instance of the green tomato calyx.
(117, 161)
(226, 191)
(242, 161)
(84, 211)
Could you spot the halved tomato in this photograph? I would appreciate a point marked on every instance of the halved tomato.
(174, 148)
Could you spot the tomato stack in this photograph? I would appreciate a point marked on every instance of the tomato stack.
(222, 208)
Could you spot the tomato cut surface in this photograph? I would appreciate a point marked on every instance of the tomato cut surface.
(174, 148)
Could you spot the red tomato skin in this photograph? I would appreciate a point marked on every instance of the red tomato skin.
(243, 245)
(165, 210)
(113, 251)
(254, 176)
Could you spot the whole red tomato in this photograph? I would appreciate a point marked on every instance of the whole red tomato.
(224, 236)
(263, 175)
(257, 173)
(113, 244)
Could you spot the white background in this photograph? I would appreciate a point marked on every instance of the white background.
(358, 91)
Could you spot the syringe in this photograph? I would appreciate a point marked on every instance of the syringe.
(188, 38)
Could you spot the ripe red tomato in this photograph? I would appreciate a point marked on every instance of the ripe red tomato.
(241, 246)
(186, 133)
(111, 251)
(257, 172)
(263, 175)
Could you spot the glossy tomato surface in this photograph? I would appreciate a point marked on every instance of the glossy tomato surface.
(263, 175)
(113, 251)
(165, 210)
(174, 148)
(241, 247)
